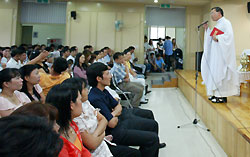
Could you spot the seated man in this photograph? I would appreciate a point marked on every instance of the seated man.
(140, 68)
(151, 61)
(159, 63)
(120, 72)
(58, 75)
(14, 61)
(125, 127)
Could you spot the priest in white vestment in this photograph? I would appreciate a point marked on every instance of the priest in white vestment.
(218, 65)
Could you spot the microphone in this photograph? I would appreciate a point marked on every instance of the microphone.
(202, 24)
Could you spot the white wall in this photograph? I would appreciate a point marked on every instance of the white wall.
(236, 13)
(46, 31)
(8, 18)
(95, 25)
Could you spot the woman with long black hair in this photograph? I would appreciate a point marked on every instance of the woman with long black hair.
(31, 78)
(68, 102)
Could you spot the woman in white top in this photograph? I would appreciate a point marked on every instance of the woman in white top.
(10, 98)
(91, 123)
(31, 78)
(151, 47)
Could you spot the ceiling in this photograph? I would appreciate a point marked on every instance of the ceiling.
(151, 2)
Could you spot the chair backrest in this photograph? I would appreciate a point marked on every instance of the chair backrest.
(114, 85)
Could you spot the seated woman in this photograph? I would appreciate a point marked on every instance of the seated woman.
(10, 98)
(79, 69)
(91, 123)
(25, 136)
(87, 55)
(38, 109)
(68, 102)
(31, 87)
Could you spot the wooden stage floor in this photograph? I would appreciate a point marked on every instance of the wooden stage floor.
(229, 122)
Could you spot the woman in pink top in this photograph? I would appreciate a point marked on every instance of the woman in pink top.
(10, 98)
(31, 79)
(79, 69)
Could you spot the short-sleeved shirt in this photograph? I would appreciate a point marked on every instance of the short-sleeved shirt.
(87, 121)
(13, 64)
(168, 47)
(118, 70)
(102, 100)
(159, 62)
(48, 81)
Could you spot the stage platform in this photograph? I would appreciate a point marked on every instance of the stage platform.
(229, 122)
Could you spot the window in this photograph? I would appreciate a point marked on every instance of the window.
(170, 32)
(156, 32)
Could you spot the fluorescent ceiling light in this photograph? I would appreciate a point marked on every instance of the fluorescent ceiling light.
(155, 1)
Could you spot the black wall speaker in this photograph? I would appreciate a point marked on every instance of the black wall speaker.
(73, 14)
(248, 7)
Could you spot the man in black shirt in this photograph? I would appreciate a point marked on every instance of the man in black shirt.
(128, 127)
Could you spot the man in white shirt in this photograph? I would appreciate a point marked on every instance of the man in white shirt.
(56, 53)
(16, 54)
(73, 53)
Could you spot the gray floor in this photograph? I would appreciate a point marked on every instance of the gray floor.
(171, 108)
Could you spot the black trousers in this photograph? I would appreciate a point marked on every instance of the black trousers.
(143, 113)
(168, 61)
(135, 130)
(124, 151)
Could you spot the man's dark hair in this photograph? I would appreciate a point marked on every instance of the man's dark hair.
(60, 47)
(13, 47)
(167, 37)
(158, 55)
(116, 55)
(52, 46)
(218, 9)
(66, 48)
(87, 47)
(18, 51)
(72, 49)
(94, 70)
(28, 136)
(60, 64)
(97, 53)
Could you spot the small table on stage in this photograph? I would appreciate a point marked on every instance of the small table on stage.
(244, 78)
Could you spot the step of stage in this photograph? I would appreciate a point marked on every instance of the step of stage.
(164, 80)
